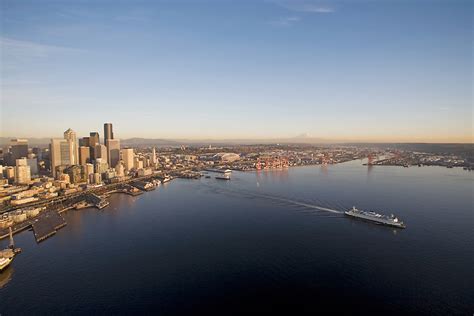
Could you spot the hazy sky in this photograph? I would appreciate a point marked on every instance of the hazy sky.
(367, 70)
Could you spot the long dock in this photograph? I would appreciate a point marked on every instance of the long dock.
(47, 225)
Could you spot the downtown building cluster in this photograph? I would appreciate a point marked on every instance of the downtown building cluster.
(88, 160)
(67, 165)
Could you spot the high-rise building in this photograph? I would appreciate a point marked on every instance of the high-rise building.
(128, 158)
(137, 163)
(84, 141)
(22, 171)
(33, 163)
(18, 149)
(60, 154)
(84, 155)
(113, 152)
(108, 132)
(100, 152)
(93, 141)
(70, 136)
(153, 156)
(89, 169)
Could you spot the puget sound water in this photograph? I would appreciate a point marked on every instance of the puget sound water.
(255, 244)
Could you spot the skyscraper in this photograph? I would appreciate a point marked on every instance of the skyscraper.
(88, 171)
(113, 152)
(33, 163)
(128, 158)
(93, 141)
(153, 156)
(108, 132)
(84, 141)
(60, 154)
(22, 172)
(84, 155)
(70, 136)
(18, 149)
(101, 152)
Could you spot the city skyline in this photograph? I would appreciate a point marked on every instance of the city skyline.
(201, 157)
(338, 71)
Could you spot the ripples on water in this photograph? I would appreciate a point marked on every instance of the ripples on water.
(261, 243)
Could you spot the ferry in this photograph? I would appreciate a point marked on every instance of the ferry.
(391, 220)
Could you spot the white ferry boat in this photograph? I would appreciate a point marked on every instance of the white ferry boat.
(391, 220)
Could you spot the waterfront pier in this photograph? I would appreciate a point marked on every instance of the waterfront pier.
(47, 225)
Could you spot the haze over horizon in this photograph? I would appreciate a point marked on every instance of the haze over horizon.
(337, 70)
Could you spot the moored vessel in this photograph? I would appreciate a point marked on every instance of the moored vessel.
(225, 176)
(7, 255)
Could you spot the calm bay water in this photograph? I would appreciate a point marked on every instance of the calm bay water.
(248, 245)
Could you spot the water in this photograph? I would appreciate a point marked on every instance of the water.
(260, 243)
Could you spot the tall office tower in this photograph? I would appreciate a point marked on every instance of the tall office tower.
(153, 156)
(70, 136)
(128, 158)
(18, 149)
(93, 141)
(33, 163)
(22, 171)
(60, 154)
(89, 169)
(113, 152)
(108, 133)
(100, 152)
(84, 155)
(84, 141)
(138, 163)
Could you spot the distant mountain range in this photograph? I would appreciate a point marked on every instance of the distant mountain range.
(136, 141)
(464, 149)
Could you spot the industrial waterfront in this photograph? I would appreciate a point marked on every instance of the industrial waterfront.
(195, 246)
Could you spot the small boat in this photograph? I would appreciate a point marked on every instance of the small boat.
(223, 177)
(7, 255)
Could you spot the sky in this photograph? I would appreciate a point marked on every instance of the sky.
(383, 70)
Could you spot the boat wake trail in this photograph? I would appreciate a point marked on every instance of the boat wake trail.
(275, 198)
(298, 203)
